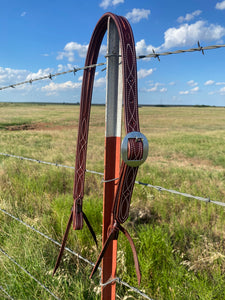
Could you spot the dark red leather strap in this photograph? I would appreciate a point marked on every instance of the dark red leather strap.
(120, 211)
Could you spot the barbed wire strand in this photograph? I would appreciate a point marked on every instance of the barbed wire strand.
(29, 274)
(158, 188)
(199, 48)
(76, 254)
(118, 280)
(5, 292)
(50, 76)
(47, 237)
(153, 55)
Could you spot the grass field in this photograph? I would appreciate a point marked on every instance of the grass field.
(180, 241)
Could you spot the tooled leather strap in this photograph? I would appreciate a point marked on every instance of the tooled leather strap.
(128, 173)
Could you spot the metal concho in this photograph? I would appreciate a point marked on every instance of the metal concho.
(134, 135)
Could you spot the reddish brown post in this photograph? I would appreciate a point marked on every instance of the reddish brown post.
(112, 153)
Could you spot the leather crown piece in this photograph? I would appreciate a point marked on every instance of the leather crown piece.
(134, 146)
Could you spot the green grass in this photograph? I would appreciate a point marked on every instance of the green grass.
(180, 241)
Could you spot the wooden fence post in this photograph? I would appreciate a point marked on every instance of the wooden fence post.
(112, 152)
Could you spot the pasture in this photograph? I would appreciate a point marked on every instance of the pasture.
(180, 241)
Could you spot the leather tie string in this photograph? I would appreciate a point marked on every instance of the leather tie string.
(135, 146)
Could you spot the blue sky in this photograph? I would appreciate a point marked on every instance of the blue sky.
(42, 37)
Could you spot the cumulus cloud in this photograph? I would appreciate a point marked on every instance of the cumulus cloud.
(195, 89)
(106, 3)
(192, 83)
(220, 5)
(73, 47)
(142, 48)
(209, 82)
(188, 35)
(100, 82)
(137, 14)
(191, 91)
(184, 92)
(70, 49)
(220, 83)
(23, 14)
(40, 73)
(10, 76)
(189, 17)
(55, 87)
(142, 73)
(155, 88)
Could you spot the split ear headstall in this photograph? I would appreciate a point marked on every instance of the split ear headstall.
(134, 146)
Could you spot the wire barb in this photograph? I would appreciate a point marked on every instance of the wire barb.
(158, 188)
(200, 48)
(154, 54)
(134, 289)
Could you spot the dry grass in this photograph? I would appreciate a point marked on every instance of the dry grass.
(180, 241)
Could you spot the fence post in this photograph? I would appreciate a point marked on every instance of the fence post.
(112, 152)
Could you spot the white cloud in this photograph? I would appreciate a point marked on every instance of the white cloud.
(142, 48)
(189, 17)
(10, 76)
(188, 35)
(72, 47)
(142, 73)
(209, 82)
(191, 91)
(184, 92)
(222, 90)
(23, 14)
(106, 3)
(64, 68)
(137, 14)
(195, 89)
(154, 87)
(220, 83)
(100, 82)
(192, 83)
(220, 5)
(55, 87)
(40, 73)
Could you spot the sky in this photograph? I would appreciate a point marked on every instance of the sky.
(42, 37)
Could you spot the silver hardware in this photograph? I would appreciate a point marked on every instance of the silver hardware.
(138, 136)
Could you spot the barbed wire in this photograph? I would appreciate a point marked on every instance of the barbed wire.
(158, 188)
(134, 289)
(28, 273)
(5, 292)
(151, 55)
(199, 48)
(50, 76)
(47, 237)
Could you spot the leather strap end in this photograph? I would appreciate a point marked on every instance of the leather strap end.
(77, 216)
(136, 262)
(113, 235)
(63, 243)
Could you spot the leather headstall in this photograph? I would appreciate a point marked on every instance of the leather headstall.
(134, 146)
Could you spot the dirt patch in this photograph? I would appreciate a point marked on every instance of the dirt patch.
(38, 126)
(21, 127)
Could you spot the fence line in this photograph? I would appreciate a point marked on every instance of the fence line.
(47, 237)
(158, 188)
(153, 55)
(5, 292)
(134, 289)
(29, 274)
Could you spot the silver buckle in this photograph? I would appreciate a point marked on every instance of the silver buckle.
(138, 136)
